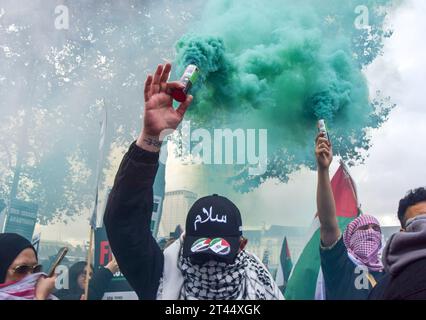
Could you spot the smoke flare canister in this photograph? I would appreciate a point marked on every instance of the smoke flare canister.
(188, 79)
(322, 128)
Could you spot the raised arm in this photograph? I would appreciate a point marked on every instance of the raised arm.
(325, 201)
(130, 204)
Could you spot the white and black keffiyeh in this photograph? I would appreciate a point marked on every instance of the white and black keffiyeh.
(245, 279)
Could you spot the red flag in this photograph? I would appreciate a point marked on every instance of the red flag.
(344, 192)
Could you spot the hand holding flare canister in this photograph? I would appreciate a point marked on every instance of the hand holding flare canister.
(322, 129)
(188, 79)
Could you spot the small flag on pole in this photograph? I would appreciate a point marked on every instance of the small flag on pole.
(103, 124)
(36, 241)
(265, 259)
(285, 265)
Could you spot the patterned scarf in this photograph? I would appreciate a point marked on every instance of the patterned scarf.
(364, 245)
(245, 279)
(22, 290)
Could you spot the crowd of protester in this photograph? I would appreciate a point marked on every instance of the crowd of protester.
(210, 260)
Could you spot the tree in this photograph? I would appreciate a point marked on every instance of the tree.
(54, 84)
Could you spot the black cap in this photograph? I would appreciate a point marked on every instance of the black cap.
(213, 230)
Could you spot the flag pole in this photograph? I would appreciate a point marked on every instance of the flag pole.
(354, 188)
(93, 219)
(88, 265)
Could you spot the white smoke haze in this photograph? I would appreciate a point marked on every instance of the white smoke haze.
(53, 82)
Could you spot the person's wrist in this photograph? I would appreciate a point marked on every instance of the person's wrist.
(110, 267)
(322, 169)
(149, 142)
(40, 296)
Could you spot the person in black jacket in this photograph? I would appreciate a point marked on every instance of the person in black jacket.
(404, 256)
(209, 261)
(99, 281)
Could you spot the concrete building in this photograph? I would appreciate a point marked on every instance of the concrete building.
(175, 209)
(269, 239)
(50, 248)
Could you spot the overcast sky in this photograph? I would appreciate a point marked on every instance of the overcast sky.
(396, 161)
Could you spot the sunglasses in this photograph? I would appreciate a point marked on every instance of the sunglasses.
(24, 269)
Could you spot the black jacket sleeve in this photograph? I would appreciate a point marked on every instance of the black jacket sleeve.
(127, 220)
(99, 283)
(408, 284)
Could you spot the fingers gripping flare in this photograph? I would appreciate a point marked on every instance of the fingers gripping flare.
(159, 113)
(184, 106)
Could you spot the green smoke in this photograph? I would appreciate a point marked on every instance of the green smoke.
(282, 65)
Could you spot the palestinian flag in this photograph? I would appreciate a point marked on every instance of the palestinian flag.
(201, 245)
(220, 246)
(303, 280)
(285, 265)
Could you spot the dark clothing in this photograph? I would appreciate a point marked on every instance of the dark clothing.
(404, 258)
(377, 293)
(74, 273)
(409, 284)
(11, 245)
(97, 286)
(127, 220)
(340, 275)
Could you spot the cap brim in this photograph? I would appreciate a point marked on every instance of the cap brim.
(197, 247)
